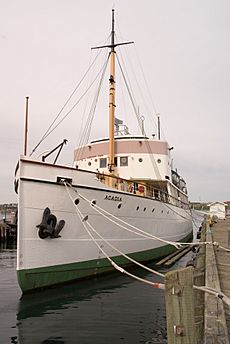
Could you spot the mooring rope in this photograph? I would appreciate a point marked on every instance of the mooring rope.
(217, 293)
(141, 232)
(178, 245)
(84, 220)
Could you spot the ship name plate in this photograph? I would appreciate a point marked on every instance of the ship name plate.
(113, 198)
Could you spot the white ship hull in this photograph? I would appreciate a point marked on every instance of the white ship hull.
(75, 255)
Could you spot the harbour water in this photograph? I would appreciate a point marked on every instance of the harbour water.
(110, 309)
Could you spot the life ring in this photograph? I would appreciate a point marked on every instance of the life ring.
(141, 188)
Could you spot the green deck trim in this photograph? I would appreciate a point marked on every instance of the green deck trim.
(31, 279)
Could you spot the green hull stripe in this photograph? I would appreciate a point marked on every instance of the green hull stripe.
(30, 279)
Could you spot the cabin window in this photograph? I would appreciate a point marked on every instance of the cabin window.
(123, 161)
(156, 194)
(159, 161)
(140, 159)
(103, 162)
(89, 163)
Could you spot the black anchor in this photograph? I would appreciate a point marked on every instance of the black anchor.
(49, 227)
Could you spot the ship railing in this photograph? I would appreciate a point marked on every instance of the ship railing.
(142, 189)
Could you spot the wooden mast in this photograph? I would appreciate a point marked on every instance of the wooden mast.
(26, 126)
(111, 164)
(112, 99)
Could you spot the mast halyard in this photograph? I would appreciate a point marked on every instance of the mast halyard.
(112, 105)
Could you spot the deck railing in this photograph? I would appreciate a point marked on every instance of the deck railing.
(143, 189)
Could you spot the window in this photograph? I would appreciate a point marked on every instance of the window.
(159, 161)
(123, 161)
(103, 162)
(140, 159)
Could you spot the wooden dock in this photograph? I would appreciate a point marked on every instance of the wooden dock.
(198, 298)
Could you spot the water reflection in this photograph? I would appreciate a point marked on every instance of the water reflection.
(111, 309)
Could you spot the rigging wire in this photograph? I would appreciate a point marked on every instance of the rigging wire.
(65, 104)
(144, 78)
(67, 101)
(155, 167)
(84, 112)
(156, 113)
(138, 85)
(86, 100)
(86, 132)
(97, 97)
(72, 108)
(129, 92)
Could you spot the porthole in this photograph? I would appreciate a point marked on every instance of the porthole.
(140, 159)
(137, 207)
(159, 161)
(89, 163)
(144, 209)
(119, 205)
(77, 201)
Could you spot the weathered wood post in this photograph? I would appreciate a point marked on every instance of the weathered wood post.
(179, 298)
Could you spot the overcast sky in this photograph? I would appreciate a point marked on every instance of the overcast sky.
(182, 48)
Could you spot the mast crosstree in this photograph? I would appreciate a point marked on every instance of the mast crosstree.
(112, 104)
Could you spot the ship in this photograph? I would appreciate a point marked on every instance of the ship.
(120, 201)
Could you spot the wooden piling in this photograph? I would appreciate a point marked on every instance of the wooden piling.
(199, 280)
(198, 316)
(215, 330)
(179, 297)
